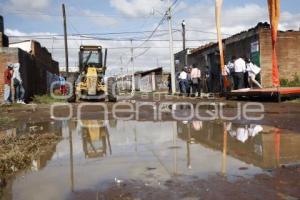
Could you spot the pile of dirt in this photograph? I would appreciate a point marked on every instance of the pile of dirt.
(17, 153)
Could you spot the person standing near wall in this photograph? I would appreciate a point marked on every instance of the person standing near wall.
(18, 84)
(195, 76)
(189, 81)
(230, 72)
(206, 85)
(169, 84)
(7, 85)
(239, 70)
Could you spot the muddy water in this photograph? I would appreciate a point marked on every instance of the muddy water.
(95, 154)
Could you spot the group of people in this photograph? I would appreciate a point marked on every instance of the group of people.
(189, 80)
(12, 76)
(242, 73)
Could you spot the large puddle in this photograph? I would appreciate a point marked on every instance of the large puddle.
(94, 153)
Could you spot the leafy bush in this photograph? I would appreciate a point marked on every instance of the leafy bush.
(293, 83)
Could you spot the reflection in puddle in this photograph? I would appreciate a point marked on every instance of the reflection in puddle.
(93, 153)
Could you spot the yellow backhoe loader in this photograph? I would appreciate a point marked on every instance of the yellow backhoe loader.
(90, 83)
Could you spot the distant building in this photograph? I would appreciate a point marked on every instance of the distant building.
(149, 81)
(38, 69)
(254, 43)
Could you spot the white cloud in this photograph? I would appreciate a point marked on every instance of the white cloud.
(99, 18)
(137, 8)
(15, 32)
(237, 18)
(28, 5)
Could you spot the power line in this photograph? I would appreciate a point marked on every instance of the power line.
(108, 33)
(118, 39)
(156, 28)
(117, 48)
(93, 34)
(77, 15)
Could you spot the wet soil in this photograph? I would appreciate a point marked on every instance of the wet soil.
(280, 184)
(141, 150)
(283, 115)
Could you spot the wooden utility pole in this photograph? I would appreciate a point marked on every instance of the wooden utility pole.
(183, 35)
(66, 40)
(172, 64)
(132, 63)
(183, 42)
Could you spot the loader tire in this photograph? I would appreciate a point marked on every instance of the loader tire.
(111, 89)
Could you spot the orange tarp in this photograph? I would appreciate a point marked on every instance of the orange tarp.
(274, 12)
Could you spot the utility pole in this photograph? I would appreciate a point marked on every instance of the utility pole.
(173, 84)
(183, 34)
(183, 42)
(66, 40)
(121, 59)
(132, 63)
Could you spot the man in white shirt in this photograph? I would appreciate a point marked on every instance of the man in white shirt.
(239, 70)
(183, 82)
(183, 75)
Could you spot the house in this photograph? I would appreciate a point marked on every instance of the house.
(148, 81)
(36, 65)
(255, 44)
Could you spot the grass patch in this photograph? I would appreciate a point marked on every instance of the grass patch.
(291, 83)
(45, 99)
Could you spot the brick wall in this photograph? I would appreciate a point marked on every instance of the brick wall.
(1, 24)
(288, 51)
(44, 59)
(3, 40)
(3, 37)
(33, 75)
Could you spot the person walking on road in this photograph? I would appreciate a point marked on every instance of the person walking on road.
(252, 70)
(7, 84)
(195, 76)
(18, 84)
(239, 70)
(183, 81)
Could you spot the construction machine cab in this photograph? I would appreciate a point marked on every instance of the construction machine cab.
(91, 56)
(90, 83)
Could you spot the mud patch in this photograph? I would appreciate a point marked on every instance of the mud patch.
(281, 184)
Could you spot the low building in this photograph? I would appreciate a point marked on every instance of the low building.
(36, 66)
(255, 44)
(148, 81)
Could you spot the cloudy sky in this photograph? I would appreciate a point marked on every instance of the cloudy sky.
(113, 23)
